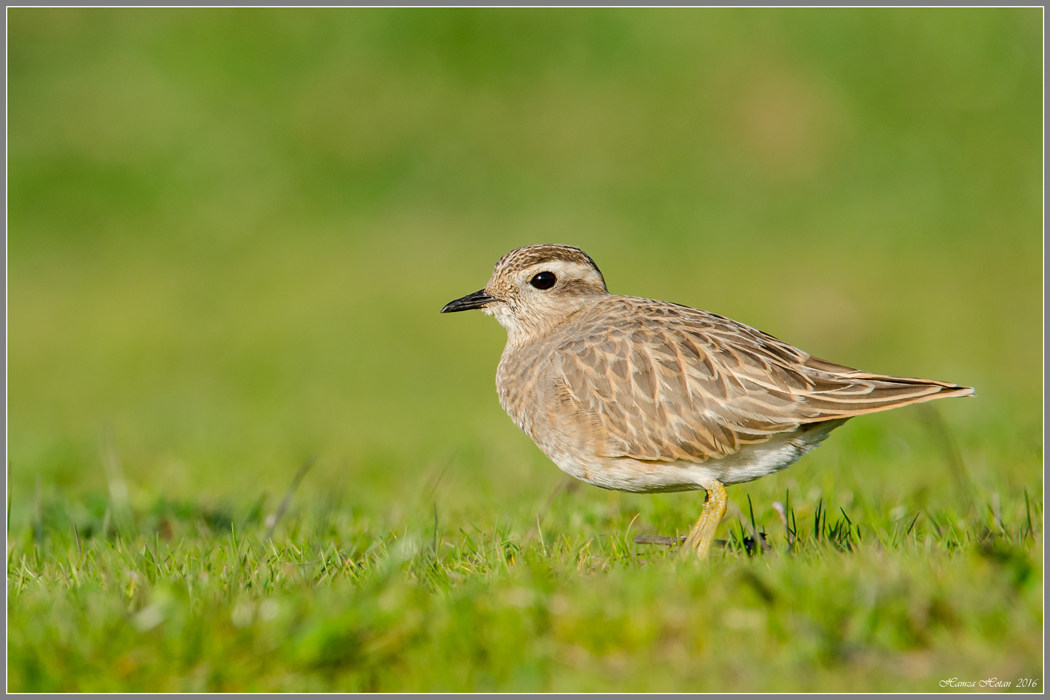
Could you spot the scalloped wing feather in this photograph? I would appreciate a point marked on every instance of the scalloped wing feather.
(665, 382)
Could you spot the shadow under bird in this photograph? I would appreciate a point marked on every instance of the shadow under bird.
(648, 396)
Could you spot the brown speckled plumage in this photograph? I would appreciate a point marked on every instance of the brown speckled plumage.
(642, 395)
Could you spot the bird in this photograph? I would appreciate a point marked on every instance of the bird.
(647, 396)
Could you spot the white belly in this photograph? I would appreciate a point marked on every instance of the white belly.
(747, 464)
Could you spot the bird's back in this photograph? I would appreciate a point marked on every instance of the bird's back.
(653, 381)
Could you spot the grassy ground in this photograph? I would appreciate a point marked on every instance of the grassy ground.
(230, 233)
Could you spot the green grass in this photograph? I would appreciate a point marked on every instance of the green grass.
(230, 232)
(191, 599)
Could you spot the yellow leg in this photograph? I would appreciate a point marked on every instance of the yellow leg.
(703, 533)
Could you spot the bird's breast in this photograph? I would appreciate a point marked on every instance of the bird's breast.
(526, 383)
(515, 379)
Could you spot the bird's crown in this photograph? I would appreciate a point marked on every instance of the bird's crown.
(533, 255)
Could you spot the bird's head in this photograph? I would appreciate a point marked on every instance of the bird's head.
(535, 288)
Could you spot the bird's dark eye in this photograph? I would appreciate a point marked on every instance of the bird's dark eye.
(543, 280)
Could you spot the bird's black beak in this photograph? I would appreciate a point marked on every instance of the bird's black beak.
(477, 300)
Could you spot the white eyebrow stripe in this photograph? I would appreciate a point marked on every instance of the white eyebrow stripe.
(562, 268)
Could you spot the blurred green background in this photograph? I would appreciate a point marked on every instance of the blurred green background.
(231, 231)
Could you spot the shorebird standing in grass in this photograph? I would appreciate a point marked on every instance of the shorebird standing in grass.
(648, 396)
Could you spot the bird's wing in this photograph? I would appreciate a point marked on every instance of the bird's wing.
(663, 382)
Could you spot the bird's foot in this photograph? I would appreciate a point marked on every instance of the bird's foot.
(703, 533)
(657, 539)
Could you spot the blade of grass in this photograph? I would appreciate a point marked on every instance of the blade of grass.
(1027, 510)
(289, 493)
